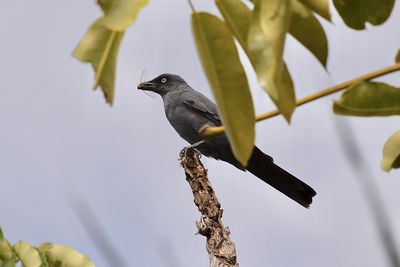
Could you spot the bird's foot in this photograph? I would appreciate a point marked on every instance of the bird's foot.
(185, 150)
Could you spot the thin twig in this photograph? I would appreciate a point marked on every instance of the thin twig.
(209, 132)
(191, 6)
(220, 248)
(95, 231)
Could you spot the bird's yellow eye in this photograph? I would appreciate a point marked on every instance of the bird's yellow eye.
(163, 80)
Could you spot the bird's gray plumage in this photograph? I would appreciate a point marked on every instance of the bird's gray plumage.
(188, 110)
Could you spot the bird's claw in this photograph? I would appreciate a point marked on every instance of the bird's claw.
(184, 151)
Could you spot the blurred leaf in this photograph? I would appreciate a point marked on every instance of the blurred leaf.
(105, 5)
(6, 251)
(397, 59)
(307, 29)
(321, 7)
(99, 47)
(356, 13)
(64, 256)
(396, 163)
(121, 13)
(28, 255)
(391, 153)
(266, 39)
(1, 234)
(44, 259)
(369, 99)
(221, 63)
(8, 263)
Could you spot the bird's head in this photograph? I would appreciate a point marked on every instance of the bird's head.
(163, 84)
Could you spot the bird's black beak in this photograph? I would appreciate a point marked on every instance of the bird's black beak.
(147, 86)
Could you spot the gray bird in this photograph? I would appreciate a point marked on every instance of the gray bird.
(188, 110)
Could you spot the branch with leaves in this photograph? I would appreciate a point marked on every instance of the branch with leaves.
(260, 28)
(221, 249)
(362, 98)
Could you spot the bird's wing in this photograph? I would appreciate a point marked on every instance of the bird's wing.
(204, 107)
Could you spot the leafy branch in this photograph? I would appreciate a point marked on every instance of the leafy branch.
(209, 132)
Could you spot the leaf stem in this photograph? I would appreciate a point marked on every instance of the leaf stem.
(208, 132)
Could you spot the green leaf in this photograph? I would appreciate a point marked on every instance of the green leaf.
(321, 7)
(237, 17)
(120, 14)
(266, 39)
(397, 58)
(356, 13)
(99, 47)
(369, 99)
(391, 153)
(64, 256)
(287, 97)
(225, 73)
(28, 255)
(307, 29)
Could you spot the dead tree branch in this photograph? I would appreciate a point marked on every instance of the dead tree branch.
(220, 248)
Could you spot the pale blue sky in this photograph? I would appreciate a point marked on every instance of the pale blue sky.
(59, 137)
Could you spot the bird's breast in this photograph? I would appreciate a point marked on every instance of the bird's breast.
(184, 121)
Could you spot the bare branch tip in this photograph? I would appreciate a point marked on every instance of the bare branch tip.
(219, 246)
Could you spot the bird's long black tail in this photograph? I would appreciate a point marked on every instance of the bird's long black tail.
(262, 166)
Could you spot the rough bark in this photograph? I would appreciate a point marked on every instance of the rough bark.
(220, 248)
